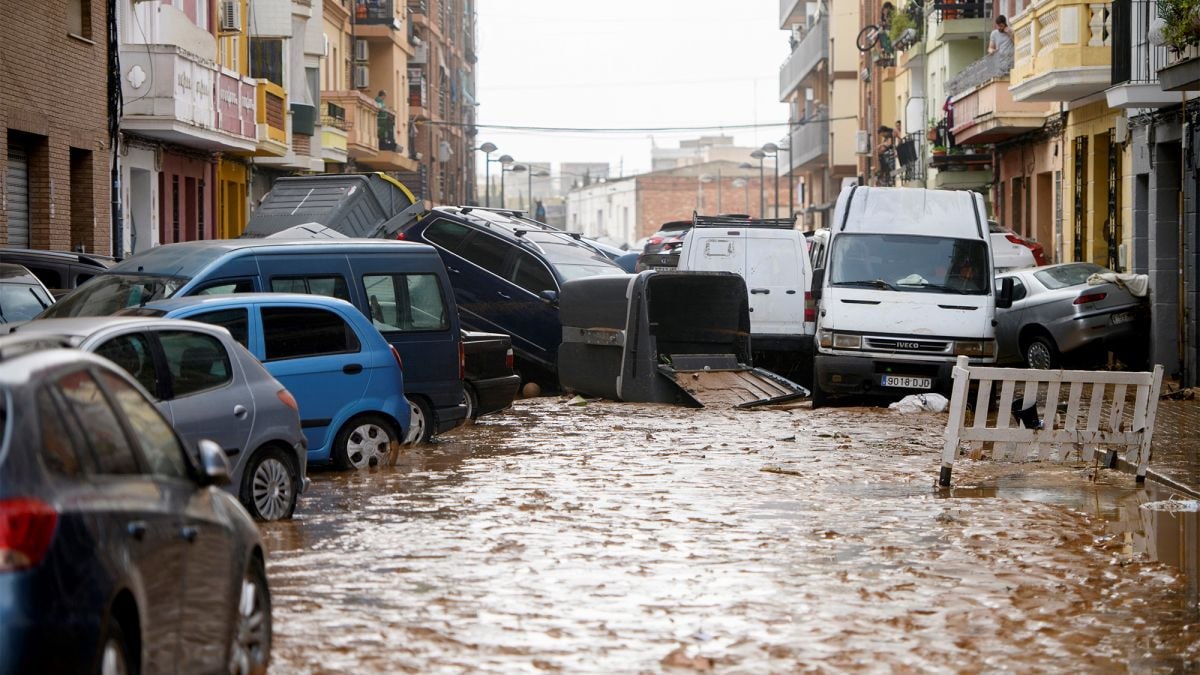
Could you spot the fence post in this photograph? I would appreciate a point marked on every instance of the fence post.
(958, 411)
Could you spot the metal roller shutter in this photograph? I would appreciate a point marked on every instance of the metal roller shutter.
(16, 186)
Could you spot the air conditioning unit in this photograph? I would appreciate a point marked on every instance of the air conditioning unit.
(362, 50)
(362, 77)
(231, 16)
(862, 142)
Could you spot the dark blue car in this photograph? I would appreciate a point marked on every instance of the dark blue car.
(118, 552)
(506, 271)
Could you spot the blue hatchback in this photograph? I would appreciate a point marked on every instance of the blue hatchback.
(346, 378)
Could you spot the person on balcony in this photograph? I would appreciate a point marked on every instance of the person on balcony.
(1001, 39)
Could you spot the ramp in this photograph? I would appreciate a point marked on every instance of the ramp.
(735, 386)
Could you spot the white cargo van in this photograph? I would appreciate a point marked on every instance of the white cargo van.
(773, 259)
(906, 288)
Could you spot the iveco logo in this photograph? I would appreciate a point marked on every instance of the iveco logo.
(908, 345)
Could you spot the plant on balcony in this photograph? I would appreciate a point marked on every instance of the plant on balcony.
(904, 31)
(938, 150)
(1182, 19)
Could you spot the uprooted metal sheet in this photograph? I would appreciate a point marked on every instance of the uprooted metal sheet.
(741, 388)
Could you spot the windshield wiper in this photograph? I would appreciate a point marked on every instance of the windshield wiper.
(943, 288)
(35, 297)
(874, 283)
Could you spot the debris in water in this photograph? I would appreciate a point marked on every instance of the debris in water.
(1174, 505)
(679, 658)
(779, 469)
(578, 400)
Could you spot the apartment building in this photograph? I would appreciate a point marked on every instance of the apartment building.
(54, 149)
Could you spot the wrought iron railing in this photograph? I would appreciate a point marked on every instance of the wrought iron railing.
(963, 9)
(387, 130)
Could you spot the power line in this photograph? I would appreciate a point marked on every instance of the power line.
(609, 130)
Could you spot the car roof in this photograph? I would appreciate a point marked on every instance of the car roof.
(515, 227)
(80, 327)
(169, 305)
(14, 272)
(22, 358)
(91, 259)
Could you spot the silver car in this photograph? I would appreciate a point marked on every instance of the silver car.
(209, 387)
(1056, 314)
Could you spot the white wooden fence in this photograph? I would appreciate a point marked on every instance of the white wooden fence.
(1105, 424)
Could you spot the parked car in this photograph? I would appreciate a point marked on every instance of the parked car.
(401, 286)
(22, 295)
(118, 551)
(59, 271)
(661, 251)
(626, 260)
(1012, 251)
(1056, 315)
(209, 387)
(506, 271)
(347, 380)
(490, 384)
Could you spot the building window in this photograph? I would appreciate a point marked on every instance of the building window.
(79, 18)
(266, 59)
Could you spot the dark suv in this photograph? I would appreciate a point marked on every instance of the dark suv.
(506, 271)
(60, 271)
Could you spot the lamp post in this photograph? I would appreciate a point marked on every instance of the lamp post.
(541, 173)
(762, 194)
(518, 168)
(701, 179)
(771, 150)
(488, 149)
(745, 185)
(505, 162)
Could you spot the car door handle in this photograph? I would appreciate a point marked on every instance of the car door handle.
(136, 529)
(504, 295)
(189, 533)
(352, 368)
(760, 291)
(239, 411)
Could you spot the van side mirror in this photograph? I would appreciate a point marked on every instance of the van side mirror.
(818, 282)
(549, 297)
(1004, 299)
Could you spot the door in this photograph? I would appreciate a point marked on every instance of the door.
(209, 398)
(16, 194)
(532, 322)
(315, 354)
(777, 278)
(715, 251)
(475, 262)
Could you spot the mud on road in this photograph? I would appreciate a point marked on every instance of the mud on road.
(641, 538)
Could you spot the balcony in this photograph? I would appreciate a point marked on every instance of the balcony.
(812, 50)
(962, 171)
(1135, 78)
(271, 117)
(169, 96)
(810, 145)
(333, 133)
(391, 155)
(984, 109)
(1062, 51)
(962, 20)
(791, 12)
(379, 13)
(360, 117)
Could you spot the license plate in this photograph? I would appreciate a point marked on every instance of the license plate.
(1122, 317)
(905, 382)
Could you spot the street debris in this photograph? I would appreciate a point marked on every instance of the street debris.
(577, 400)
(1174, 505)
(914, 403)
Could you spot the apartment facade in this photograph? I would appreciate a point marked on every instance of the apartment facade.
(55, 150)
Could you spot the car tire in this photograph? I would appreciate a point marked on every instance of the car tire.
(269, 485)
(420, 422)
(819, 399)
(116, 652)
(472, 400)
(363, 442)
(1040, 352)
(250, 644)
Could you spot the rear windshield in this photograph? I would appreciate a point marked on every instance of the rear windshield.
(109, 293)
(1068, 275)
(574, 261)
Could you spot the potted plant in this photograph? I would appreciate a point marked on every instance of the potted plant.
(932, 133)
(938, 150)
(1178, 27)
(901, 23)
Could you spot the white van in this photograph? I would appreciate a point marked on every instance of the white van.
(906, 288)
(773, 258)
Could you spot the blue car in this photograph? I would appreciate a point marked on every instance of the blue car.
(346, 378)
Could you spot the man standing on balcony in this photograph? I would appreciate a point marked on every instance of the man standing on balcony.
(1001, 40)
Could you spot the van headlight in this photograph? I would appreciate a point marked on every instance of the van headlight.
(844, 341)
(974, 348)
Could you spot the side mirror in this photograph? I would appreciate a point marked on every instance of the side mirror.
(818, 282)
(1004, 298)
(549, 297)
(214, 465)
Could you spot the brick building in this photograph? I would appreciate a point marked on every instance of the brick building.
(54, 152)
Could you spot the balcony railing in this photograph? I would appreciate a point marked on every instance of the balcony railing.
(991, 67)
(334, 116)
(809, 143)
(963, 9)
(813, 49)
(272, 111)
(362, 121)
(387, 130)
(1063, 50)
(375, 12)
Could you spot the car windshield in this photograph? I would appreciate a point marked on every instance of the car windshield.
(108, 293)
(572, 260)
(1062, 276)
(22, 302)
(916, 263)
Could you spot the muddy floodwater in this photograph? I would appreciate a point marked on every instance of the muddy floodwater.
(646, 538)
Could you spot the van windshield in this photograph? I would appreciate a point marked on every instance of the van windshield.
(109, 293)
(915, 263)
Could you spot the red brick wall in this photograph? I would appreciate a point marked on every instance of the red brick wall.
(54, 87)
(665, 198)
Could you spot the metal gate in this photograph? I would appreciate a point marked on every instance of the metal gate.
(16, 188)
(1112, 228)
(1081, 151)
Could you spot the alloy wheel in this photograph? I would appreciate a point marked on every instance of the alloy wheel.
(251, 647)
(271, 489)
(112, 662)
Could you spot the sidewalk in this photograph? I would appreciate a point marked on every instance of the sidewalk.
(1175, 451)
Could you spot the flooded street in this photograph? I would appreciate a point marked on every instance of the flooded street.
(640, 538)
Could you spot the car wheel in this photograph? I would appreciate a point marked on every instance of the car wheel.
(472, 400)
(819, 400)
(365, 441)
(116, 657)
(1040, 353)
(250, 651)
(420, 422)
(269, 485)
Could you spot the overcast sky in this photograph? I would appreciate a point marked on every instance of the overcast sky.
(622, 64)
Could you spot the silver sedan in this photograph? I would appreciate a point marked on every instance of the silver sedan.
(1056, 314)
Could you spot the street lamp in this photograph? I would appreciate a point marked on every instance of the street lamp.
(541, 173)
(745, 185)
(701, 179)
(505, 162)
(508, 168)
(762, 194)
(487, 148)
(771, 150)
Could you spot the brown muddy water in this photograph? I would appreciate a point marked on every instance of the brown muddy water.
(647, 538)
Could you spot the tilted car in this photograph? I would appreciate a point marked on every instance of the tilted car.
(1057, 315)
(118, 553)
(209, 387)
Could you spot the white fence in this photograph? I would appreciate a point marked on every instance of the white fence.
(1056, 434)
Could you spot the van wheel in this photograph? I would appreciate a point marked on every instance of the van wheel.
(472, 400)
(365, 441)
(269, 485)
(420, 422)
(117, 657)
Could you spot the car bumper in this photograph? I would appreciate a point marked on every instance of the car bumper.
(847, 375)
(450, 417)
(1099, 329)
(495, 394)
